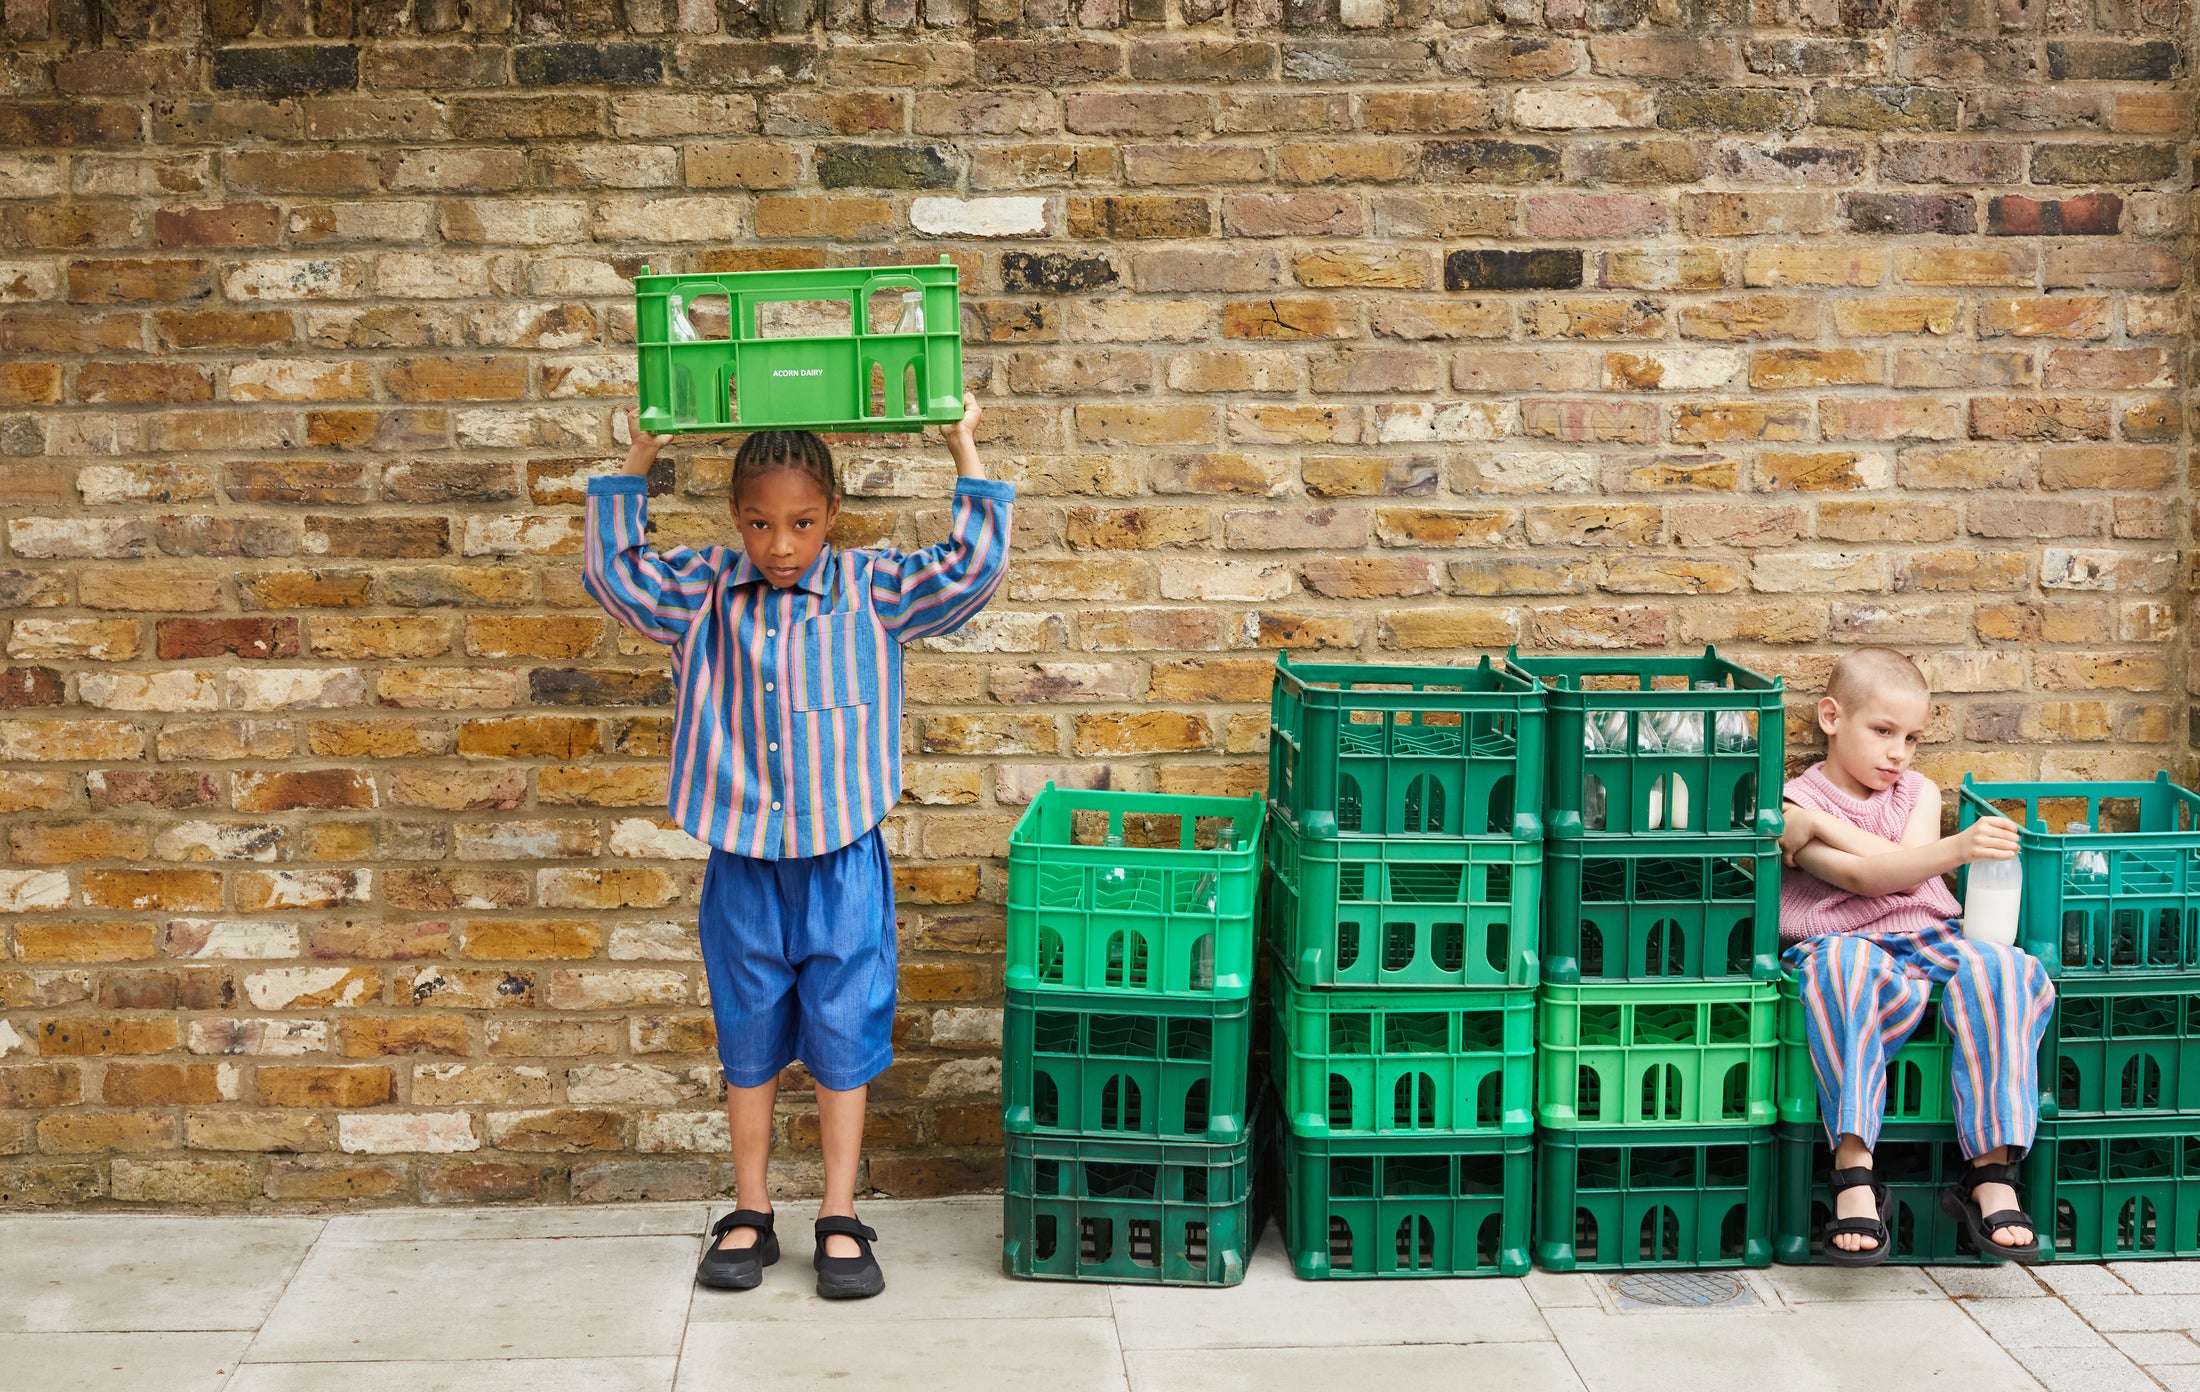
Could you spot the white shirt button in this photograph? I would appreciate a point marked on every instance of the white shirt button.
(769, 687)
(775, 749)
(775, 807)
(771, 633)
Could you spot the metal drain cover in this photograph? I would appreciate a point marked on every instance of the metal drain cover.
(1685, 1290)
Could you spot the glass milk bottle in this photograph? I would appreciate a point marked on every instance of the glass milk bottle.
(1991, 896)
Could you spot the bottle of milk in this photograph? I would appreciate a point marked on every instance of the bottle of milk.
(1991, 896)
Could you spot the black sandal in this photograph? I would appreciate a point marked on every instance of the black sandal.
(1874, 1227)
(738, 1268)
(847, 1278)
(1957, 1202)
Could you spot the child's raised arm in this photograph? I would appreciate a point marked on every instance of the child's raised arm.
(923, 594)
(658, 596)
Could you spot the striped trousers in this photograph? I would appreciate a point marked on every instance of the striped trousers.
(1863, 996)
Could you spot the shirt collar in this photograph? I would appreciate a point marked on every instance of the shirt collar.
(812, 580)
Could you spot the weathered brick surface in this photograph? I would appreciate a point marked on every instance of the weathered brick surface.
(334, 866)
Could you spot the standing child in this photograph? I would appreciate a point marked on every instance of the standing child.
(1876, 930)
(786, 755)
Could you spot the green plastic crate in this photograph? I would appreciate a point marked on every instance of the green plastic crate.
(1688, 1054)
(1404, 912)
(1133, 919)
(2103, 903)
(2121, 1046)
(1406, 751)
(1151, 1212)
(1914, 1160)
(1159, 1068)
(1398, 1207)
(866, 377)
(2116, 1190)
(1636, 786)
(1683, 1197)
(1918, 1085)
(1662, 908)
(1403, 1063)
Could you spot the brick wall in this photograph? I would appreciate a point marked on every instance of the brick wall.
(334, 858)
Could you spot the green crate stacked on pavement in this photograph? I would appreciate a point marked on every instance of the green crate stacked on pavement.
(1405, 883)
(2111, 905)
(1127, 1095)
(1657, 1024)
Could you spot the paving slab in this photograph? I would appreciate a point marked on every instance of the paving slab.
(146, 1273)
(2001, 1281)
(111, 1362)
(2159, 1277)
(466, 1225)
(1558, 1290)
(2176, 1377)
(607, 1297)
(1815, 1348)
(2043, 1322)
(2067, 1278)
(940, 1256)
(1805, 1284)
(1407, 1368)
(2157, 1348)
(505, 1375)
(2129, 1314)
(1275, 1309)
(983, 1355)
(2084, 1370)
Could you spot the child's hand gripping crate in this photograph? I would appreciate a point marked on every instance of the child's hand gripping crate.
(1168, 911)
(1406, 751)
(895, 364)
(1670, 745)
(1696, 1054)
(2117, 892)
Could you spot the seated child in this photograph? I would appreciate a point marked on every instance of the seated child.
(1872, 928)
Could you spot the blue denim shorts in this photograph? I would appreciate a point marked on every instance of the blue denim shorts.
(801, 957)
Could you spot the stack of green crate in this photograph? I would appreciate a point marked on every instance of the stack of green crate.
(1405, 863)
(1125, 1057)
(2112, 906)
(1657, 1018)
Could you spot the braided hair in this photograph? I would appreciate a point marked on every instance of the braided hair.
(769, 451)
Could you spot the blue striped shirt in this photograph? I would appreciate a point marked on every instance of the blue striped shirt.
(786, 739)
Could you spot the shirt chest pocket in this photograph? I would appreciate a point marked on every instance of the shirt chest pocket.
(835, 662)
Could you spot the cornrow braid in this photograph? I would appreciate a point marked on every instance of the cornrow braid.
(769, 451)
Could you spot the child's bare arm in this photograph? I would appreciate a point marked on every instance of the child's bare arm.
(642, 453)
(1881, 867)
(962, 439)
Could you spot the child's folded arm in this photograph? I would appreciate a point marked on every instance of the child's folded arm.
(922, 594)
(656, 595)
(1888, 872)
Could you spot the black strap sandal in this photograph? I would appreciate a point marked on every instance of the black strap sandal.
(847, 1278)
(1957, 1202)
(738, 1268)
(1874, 1227)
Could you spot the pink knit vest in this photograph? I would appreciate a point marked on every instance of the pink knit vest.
(1811, 908)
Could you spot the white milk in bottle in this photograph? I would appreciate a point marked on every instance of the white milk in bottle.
(1991, 896)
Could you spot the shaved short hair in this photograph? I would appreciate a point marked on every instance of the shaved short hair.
(1864, 671)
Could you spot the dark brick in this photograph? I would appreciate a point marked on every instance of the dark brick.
(1639, 162)
(1191, 60)
(723, 65)
(2103, 164)
(1047, 62)
(170, 789)
(434, 67)
(886, 166)
(1885, 108)
(383, 538)
(1808, 57)
(287, 70)
(2093, 215)
(1781, 164)
(257, 638)
(1053, 273)
(1551, 268)
(1905, 213)
(32, 125)
(297, 481)
(600, 686)
(572, 64)
(522, 118)
(30, 686)
(1731, 108)
(232, 19)
(2104, 61)
(1488, 162)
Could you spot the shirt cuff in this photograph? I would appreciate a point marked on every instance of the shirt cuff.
(994, 489)
(603, 484)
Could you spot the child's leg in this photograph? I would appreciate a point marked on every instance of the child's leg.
(749, 1119)
(1996, 1003)
(743, 929)
(840, 1119)
(1858, 1008)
